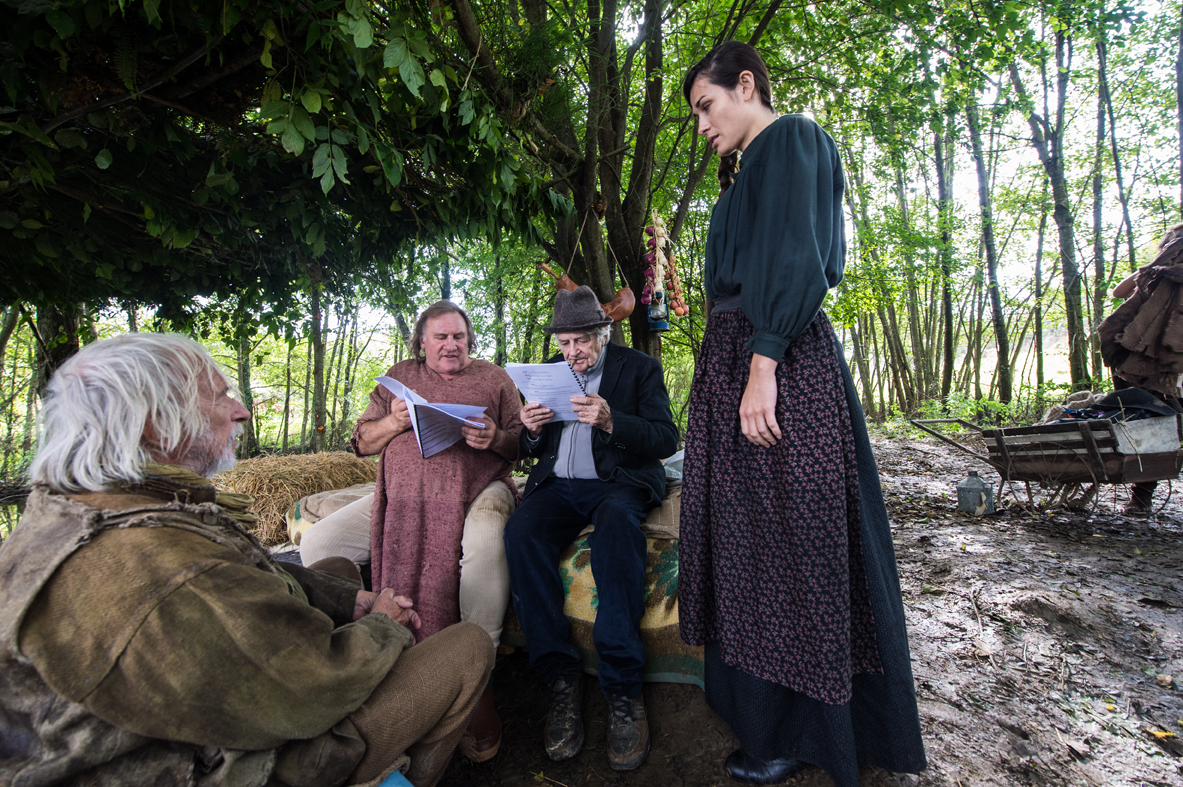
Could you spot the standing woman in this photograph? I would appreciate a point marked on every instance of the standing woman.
(788, 575)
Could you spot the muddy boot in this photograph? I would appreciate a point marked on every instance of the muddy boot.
(628, 733)
(482, 739)
(564, 720)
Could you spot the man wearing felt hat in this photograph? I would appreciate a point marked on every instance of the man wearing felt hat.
(604, 468)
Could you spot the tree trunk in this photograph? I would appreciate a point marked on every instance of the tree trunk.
(11, 317)
(445, 276)
(307, 393)
(1048, 143)
(500, 354)
(316, 442)
(57, 331)
(1122, 196)
(1100, 280)
(353, 352)
(921, 374)
(860, 364)
(248, 446)
(987, 211)
(287, 399)
(527, 349)
(1039, 378)
(944, 223)
(1179, 104)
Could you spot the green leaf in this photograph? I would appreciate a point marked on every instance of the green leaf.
(363, 34)
(412, 75)
(363, 141)
(419, 46)
(340, 163)
(30, 129)
(392, 165)
(438, 79)
(70, 139)
(311, 101)
(63, 23)
(85, 212)
(265, 57)
(340, 137)
(466, 112)
(326, 182)
(46, 246)
(8, 220)
(182, 238)
(303, 123)
(276, 108)
(292, 141)
(32, 224)
(272, 92)
(103, 159)
(395, 53)
(152, 10)
(320, 160)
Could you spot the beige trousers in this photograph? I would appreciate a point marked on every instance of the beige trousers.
(423, 705)
(484, 574)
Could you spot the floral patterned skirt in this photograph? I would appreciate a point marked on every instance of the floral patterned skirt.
(771, 555)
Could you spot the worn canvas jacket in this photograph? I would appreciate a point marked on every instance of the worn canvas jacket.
(147, 639)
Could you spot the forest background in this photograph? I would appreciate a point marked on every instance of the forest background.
(292, 182)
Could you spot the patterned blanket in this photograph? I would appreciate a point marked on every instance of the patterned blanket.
(669, 659)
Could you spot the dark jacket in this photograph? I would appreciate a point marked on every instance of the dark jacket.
(643, 431)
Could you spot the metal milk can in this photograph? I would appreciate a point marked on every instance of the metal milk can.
(975, 496)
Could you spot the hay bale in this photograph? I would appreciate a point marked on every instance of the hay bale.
(278, 481)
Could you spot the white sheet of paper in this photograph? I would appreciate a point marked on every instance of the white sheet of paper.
(549, 384)
(436, 426)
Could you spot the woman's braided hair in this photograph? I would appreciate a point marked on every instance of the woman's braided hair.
(722, 66)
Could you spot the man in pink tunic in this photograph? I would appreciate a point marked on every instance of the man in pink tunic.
(434, 531)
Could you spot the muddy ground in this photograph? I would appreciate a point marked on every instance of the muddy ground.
(1047, 647)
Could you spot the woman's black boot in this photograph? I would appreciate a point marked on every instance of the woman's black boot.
(743, 767)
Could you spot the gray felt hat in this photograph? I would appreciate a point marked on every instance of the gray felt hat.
(577, 310)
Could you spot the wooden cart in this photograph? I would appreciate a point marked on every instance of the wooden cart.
(1066, 456)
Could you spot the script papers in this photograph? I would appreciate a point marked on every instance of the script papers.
(436, 426)
(549, 384)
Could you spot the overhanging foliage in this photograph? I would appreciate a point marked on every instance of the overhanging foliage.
(159, 151)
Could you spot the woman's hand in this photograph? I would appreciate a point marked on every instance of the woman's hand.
(757, 411)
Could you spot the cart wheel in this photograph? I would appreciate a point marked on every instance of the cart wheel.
(1046, 495)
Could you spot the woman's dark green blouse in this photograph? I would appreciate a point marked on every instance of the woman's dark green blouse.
(778, 236)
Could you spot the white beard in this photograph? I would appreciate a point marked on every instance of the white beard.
(219, 458)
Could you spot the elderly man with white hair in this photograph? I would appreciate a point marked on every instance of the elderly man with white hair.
(147, 638)
(604, 468)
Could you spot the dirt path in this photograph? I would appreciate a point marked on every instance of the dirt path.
(1047, 649)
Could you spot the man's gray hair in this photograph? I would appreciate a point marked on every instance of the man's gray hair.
(100, 401)
(602, 334)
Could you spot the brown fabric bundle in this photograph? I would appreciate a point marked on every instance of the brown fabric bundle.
(1142, 340)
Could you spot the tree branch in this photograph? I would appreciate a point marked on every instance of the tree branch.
(177, 68)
